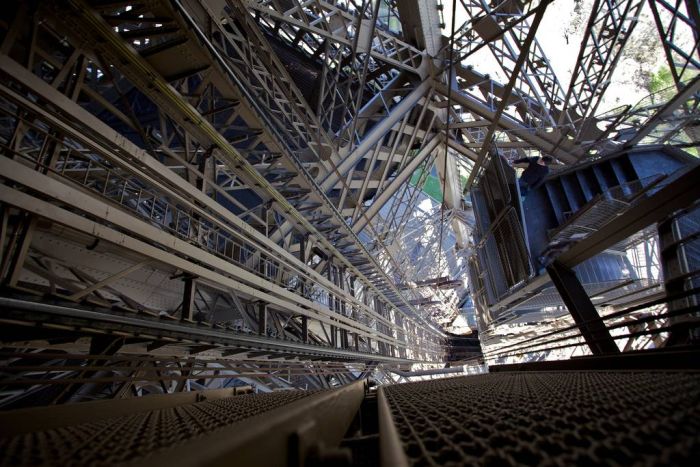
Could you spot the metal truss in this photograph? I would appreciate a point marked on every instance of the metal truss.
(358, 55)
(609, 27)
(119, 370)
(272, 69)
(248, 171)
(537, 93)
(470, 37)
(665, 117)
(672, 20)
(212, 239)
(87, 159)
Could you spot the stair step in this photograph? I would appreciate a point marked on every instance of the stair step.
(584, 185)
(572, 191)
(608, 172)
(555, 195)
(618, 171)
(601, 178)
(597, 187)
(627, 167)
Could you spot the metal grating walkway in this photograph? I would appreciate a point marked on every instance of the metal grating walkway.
(548, 418)
(131, 438)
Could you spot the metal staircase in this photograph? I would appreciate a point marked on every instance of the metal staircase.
(569, 206)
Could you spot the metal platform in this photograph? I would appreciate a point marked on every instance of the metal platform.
(611, 417)
(132, 437)
(543, 418)
(279, 428)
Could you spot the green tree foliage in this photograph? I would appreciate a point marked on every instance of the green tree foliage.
(660, 79)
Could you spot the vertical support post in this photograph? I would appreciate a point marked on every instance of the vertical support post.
(263, 215)
(304, 329)
(341, 284)
(17, 249)
(344, 338)
(207, 167)
(673, 266)
(344, 342)
(262, 265)
(4, 215)
(582, 310)
(188, 298)
(351, 280)
(303, 240)
(236, 253)
(262, 318)
(302, 248)
(329, 275)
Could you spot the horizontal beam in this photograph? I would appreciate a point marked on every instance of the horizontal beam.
(106, 321)
(397, 182)
(676, 195)
(256, 288)
(139, 161)
(507, 123)
(648, 359)
(375, 135)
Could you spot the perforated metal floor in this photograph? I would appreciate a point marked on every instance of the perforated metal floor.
(582, 418)
(133, 437)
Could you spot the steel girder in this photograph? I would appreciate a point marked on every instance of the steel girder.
(229, 149)
(609, 27)
(278, 198)
(672, 20)
(357, 56)
(397, 182)
(123, 195)
(91, 168)
(107, 367)
(523, 54)
(274, 295)
(538, 93)
(272, 70)
(469, 39)
(320, 20)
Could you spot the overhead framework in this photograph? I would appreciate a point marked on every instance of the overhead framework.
(198, 194)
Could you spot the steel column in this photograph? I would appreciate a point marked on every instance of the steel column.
(582, 309)
(262, 318)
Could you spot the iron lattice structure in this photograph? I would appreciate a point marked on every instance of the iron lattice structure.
(199, 194)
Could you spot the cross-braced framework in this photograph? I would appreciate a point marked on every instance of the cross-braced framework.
(272, 193)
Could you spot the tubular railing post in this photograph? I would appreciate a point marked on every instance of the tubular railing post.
(304, 329)
(262, 318)
(188, 298)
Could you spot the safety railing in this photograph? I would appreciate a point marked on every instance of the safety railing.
(129, 193)
(503, 249)
(79, 164)
(654, 306)
(603, 208)
(503, 258)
